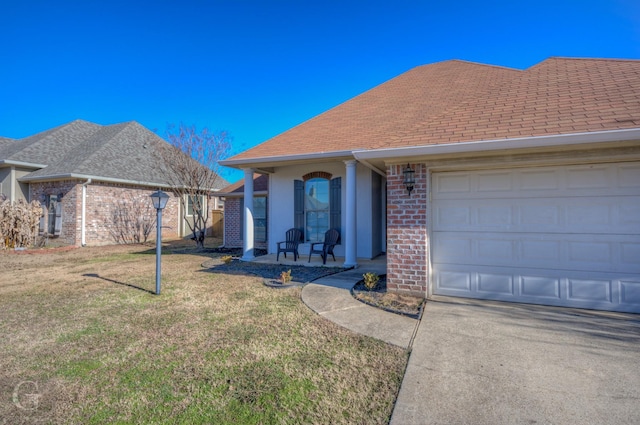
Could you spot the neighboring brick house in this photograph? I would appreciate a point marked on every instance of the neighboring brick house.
(234, 212)
(94, 182)
(526, 183)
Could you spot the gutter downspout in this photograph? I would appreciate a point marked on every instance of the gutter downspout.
(83, 240)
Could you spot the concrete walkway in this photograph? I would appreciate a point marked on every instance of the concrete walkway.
(331, 298)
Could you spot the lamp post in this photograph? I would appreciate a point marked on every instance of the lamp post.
(159, 199)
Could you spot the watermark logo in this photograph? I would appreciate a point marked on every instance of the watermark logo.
(26, 395)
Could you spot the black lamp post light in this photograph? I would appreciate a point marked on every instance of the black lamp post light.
(409, 178)
(159, 199)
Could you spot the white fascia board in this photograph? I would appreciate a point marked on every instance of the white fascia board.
(249, 162)
(501, 144)
(241, 194)
(94, 178)
(21, 164)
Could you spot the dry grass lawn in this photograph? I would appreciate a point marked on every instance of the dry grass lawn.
(83, 326)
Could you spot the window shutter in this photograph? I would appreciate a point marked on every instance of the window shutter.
(298, 205)
(43, 218)
(58, 222)
(335, 204)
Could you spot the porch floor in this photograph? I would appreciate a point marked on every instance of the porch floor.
(377, 265)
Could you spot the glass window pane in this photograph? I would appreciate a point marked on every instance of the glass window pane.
(316, 194)
(316, 209)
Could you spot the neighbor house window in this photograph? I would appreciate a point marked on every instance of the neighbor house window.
(51, 219)
(259, 218)
(317, 205)
(195, 203)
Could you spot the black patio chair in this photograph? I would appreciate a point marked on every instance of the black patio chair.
(331, 237)
(291, 244)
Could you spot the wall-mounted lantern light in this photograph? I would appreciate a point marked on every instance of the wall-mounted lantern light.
(409, 178)
(159, 199)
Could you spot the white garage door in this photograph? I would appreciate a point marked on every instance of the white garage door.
(566, 236)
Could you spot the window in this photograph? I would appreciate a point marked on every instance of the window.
(51, 220)
(259, 218)
(316, 209)
(317, 205)
(195, 203)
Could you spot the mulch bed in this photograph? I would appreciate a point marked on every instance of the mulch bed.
(405, 305)
(272, 272)
(379, 297)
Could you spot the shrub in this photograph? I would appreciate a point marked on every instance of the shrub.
(19, 223)
(371, 280)
(285, 277)
(131, 221)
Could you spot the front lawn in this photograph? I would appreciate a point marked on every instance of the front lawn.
(83, 340)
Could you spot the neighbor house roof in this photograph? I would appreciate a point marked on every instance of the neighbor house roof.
(457, 101)
(260, 186)
(124, 152)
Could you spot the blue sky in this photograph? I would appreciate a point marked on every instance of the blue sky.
(258, 68)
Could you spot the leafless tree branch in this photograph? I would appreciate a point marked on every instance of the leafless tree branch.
(191, 169)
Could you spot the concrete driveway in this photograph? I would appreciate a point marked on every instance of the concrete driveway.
(482, 362)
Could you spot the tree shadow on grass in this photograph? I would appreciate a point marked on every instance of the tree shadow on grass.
(119, 283)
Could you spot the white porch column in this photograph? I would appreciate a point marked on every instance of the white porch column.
(247, 233)
(350, 216)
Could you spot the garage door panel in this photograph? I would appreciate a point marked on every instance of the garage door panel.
(590, 290)
(590, 177)
(596, 253)
(541, 214)
(538, 287)
(454, 216)
(581, 252)
(454, 183)
(493, 283)
(579, 290)
(629, 292)
(495, 216)
(629, 214)
(541, 251)
(494, 182)
(564, 214)
(630, 256)
(578, 181)
(629, 176)
(566, 236)
(457, 282)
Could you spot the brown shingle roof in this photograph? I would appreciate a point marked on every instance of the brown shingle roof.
(557, 96)
(457, 101)
(400, 103)
(260, 184)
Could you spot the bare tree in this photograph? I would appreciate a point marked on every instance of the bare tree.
(192, 172)
(131, 221)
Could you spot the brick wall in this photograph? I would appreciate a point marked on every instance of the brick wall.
(407, 249)
(232, 230)
(106, 199)
(103, 200)
(70, 191)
